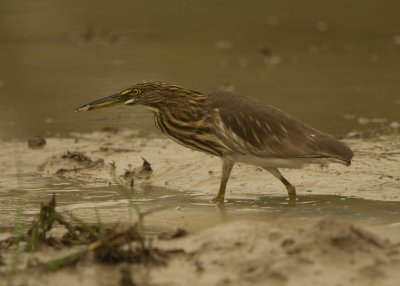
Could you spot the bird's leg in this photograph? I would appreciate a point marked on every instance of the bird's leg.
(227, 166)
(289, 187)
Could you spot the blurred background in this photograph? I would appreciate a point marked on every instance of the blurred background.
(333, 64)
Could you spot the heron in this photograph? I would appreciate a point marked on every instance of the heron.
(234, 127)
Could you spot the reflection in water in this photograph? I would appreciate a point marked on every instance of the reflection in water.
(168, 209)
(222, 211)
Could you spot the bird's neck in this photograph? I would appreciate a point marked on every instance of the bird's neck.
(166, 117)
(182, 104)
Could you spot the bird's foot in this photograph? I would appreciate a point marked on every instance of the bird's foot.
(219, 199)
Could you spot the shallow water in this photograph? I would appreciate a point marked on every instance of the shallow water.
(329, 60)
(191, 211)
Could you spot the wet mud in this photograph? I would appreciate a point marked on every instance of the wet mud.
(343, 216)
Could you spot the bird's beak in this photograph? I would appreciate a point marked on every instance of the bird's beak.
(108, 101)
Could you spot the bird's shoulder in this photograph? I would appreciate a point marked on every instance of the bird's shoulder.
(233, 101)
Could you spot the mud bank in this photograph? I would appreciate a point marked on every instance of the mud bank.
(329, 253)
(248, 253)
(96, 159)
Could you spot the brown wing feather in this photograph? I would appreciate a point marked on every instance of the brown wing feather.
(269, 131)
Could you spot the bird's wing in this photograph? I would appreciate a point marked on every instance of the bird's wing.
(249, 127)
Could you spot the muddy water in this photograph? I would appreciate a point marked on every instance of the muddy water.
(329, 60)
(194, 212)
(183, 181)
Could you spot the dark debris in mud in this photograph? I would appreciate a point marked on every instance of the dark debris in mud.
(79, 157)
(82, 159)
(371, 133)
(146, 166)
(115, 150)
(143, 172)
(110, 129)
(38, 235)
(103, 244)
(117, 247)
(83, 162)
(37, 142)
(179, 232)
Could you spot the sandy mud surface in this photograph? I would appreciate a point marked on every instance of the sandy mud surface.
(244, 253)
(98, 158)
(256, 238)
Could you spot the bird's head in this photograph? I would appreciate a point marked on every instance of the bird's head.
(145, 93)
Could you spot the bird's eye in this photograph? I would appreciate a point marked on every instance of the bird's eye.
(135, 91)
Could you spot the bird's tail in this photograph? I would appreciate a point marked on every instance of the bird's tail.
(336, 149)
